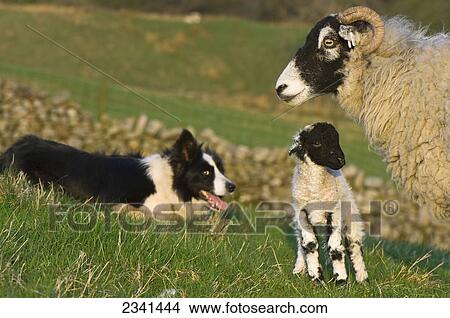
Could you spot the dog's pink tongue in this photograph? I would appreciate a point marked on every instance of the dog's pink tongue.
(221, 205)
(217, 202)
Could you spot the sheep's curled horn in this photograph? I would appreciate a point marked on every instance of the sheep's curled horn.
(370, 16)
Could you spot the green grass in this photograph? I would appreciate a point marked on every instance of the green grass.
(36, 262)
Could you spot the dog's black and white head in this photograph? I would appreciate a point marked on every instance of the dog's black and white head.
(198, 172)
(317, 67)
(320, 143)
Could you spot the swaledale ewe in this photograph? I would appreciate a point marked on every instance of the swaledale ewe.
(393, 80)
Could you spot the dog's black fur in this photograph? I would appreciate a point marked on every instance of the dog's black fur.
(113, 178)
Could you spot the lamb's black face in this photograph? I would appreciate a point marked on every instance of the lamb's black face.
(199, 174)
(320, 142)
(316, 68)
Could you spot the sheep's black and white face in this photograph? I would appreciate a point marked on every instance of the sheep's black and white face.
(320, 142)
(316, 67)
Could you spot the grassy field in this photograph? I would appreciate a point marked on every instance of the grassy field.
(104, 262)
(218, 74)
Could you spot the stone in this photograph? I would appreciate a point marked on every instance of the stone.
(350, 171)
(141, 124)
(373, 182)
(60, 97)
(170, 134)
(359, 180)
(260, 154)
(154, 127)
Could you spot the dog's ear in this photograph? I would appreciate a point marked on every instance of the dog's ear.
(186, 147)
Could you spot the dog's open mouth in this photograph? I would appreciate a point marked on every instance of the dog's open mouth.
(213, 201)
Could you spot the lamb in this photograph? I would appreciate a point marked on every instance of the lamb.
(321, 196)
(393, 80)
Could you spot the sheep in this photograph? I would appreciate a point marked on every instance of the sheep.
(321, 196)
(393, 80)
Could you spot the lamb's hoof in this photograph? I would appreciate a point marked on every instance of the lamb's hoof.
(317, 277)
(339, 281)
(365, 281)
(362, 277)
(299, 271)
(318, 280)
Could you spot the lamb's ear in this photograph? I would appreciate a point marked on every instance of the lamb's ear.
(186, 147)
(299, 151)
(297, 147)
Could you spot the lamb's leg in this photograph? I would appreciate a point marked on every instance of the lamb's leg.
(310, 247)
(336, 248)
(354, 248)
(300, 264)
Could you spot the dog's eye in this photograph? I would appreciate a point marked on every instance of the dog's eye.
(206, 173)
(329, 43)
(317, 144)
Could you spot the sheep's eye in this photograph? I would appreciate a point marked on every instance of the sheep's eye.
(205, 173)
(317, 144)
(329, 43)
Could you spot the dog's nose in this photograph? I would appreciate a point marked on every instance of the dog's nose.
(230, 187)
(341, 160)
(280, 89)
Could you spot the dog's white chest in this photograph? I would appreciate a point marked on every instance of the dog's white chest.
(159, 170)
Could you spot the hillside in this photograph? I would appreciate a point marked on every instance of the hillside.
(217, 73)
(434, 12)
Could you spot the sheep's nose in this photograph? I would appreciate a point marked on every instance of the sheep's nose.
(230, 187)
(280, 89)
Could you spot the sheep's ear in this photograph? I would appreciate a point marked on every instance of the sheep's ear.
(354, 32)
(293, 149)
(298, 150)
(186, 147)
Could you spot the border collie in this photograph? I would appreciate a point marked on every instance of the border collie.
(183, 173)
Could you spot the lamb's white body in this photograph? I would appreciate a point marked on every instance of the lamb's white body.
(311, 185)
